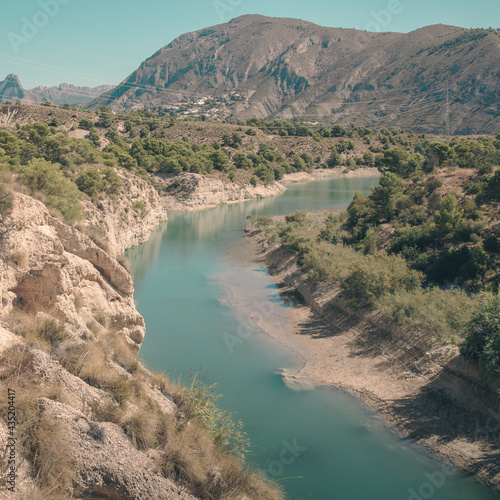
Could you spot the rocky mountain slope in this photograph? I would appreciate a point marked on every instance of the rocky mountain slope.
(430, 80)
(11, 89)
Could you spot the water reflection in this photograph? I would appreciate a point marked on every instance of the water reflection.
(206, 224)
(146, 256)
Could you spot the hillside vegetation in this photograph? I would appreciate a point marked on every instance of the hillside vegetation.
(254, 151)
(423, 248)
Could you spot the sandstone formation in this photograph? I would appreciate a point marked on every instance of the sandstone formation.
(188, 191)
(46, 265)
(123, 220)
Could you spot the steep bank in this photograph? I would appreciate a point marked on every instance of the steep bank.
(47, 265)
(128, 218)
(428, 393)
(62, 294)
(325, 173)
(189, 191)
(91, 421)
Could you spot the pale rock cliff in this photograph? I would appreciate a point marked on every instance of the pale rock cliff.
(51, 270)
(188, 191)
(46, 265)
(123, 220)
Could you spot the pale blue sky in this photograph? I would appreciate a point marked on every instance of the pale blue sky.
(91, 42)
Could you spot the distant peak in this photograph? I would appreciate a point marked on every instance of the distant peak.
(12, 80)
(12, 76)
(249, 17)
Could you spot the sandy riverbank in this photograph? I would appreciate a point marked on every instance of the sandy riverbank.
(328, 173)
(427, 395)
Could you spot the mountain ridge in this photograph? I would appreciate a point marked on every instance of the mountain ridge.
(285, 68)
(11, 89)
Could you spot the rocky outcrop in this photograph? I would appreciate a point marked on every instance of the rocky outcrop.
(97, 455)
(46, 265)
(127, 219)
(189, 191)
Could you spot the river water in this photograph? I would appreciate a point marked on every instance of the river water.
(320, 444)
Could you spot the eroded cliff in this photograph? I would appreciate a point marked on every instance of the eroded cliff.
(90, 420)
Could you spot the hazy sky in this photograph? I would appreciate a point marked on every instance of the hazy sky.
(91, 42)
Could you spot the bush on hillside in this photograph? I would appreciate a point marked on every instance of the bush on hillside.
(482, 343)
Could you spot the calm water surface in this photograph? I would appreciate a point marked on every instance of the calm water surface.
(320, 444)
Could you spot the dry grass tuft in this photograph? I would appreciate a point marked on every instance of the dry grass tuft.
(90, 363)
(97, 431)
(106, 412)
(120, 352)
(183, 460)
(51, 331)
(162, 383)
(15, 364)
(44, 444)
(142, 428)
(21, 256)
(37, 493)
(125, 263)
(192, 459)
(42, 439)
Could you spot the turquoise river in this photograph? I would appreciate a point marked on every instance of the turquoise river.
(200, 303)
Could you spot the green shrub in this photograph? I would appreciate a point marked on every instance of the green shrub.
(91, 183)
(140, 208)
(437, 313)
(198, 401)
(299, 217)
(86, 124)
(114, 184)
(94, 137)
(482, 343)
(48, 182)
(371, 277)
(6, 201)
(448, 217)
(463, 263)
